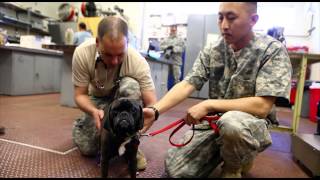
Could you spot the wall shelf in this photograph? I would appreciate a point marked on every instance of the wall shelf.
(22, 10)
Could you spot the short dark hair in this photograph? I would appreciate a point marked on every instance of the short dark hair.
(253, 6)
(82, 26)
(113, 27)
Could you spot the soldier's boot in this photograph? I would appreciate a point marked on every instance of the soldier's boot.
(230, 172)
(246, 167)
(141, 161)
(2, 130)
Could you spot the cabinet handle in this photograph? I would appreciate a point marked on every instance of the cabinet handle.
(37, 75)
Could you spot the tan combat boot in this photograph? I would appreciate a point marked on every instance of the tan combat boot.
(246, 168)
(230, 172)
(141, 161)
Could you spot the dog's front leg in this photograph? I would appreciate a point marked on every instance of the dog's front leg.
(105, 152)
(131, 155)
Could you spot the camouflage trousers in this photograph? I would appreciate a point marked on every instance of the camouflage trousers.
(241, 137)
(175, 70)
(84, 132)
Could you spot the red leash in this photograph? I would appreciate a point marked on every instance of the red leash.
(181, 123)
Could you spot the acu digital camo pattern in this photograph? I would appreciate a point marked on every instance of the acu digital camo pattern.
(262, 68)
(84, 131)
(178, 45)
(241, 137)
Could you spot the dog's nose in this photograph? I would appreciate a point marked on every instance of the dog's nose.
(124, 115)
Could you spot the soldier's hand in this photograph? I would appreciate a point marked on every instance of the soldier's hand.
(98, 116)
(169, 48)
(195, 113)
(167, 55)
(149, 117)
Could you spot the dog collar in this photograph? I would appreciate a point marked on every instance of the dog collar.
(156, 112)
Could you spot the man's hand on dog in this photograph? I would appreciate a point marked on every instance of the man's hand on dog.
(98, 116)
(148, 119)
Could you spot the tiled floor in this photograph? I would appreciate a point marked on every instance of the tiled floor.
(38, 143)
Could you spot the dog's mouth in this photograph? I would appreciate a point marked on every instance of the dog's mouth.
(124, 126)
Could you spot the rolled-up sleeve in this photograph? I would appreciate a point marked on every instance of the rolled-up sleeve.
(80, 72)
(143, 75)
(199, 73)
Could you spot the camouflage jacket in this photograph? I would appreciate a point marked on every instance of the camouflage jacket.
(178, 45)
(262, 68)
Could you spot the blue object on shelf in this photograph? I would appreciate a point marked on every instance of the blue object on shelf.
(154, 54)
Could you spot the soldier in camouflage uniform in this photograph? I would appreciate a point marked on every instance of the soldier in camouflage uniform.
(97, 66)
(173, 48)
(246, 72)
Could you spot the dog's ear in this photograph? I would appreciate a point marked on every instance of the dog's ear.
(141, 118)
(108, 123)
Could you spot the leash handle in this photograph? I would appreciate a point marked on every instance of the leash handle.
(175, 130)
(181, 123)
(210, 119)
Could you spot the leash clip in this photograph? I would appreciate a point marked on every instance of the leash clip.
(145, 134)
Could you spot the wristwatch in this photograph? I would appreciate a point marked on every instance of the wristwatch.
(156, 112)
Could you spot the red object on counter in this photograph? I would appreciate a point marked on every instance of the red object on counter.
(313, 102)
(293, 91)
(303, 49)
(293, 95)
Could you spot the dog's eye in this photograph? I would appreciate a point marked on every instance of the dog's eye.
(114, 113)
(134, 110)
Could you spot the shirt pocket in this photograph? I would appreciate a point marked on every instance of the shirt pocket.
(239, 87)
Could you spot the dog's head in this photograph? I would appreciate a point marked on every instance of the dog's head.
(124, 117)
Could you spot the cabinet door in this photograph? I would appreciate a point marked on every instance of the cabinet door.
(67, 89)
(155, 69)
(57, 73)
(157, 78)
(194, 43)
(198, 28)
(43, 74)
(6, 72)
(22, 73)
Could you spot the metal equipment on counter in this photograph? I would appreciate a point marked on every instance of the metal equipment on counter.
(88, 9)
(66, 12)
(277, 33)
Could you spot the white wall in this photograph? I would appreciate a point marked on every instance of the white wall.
(315, 41)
